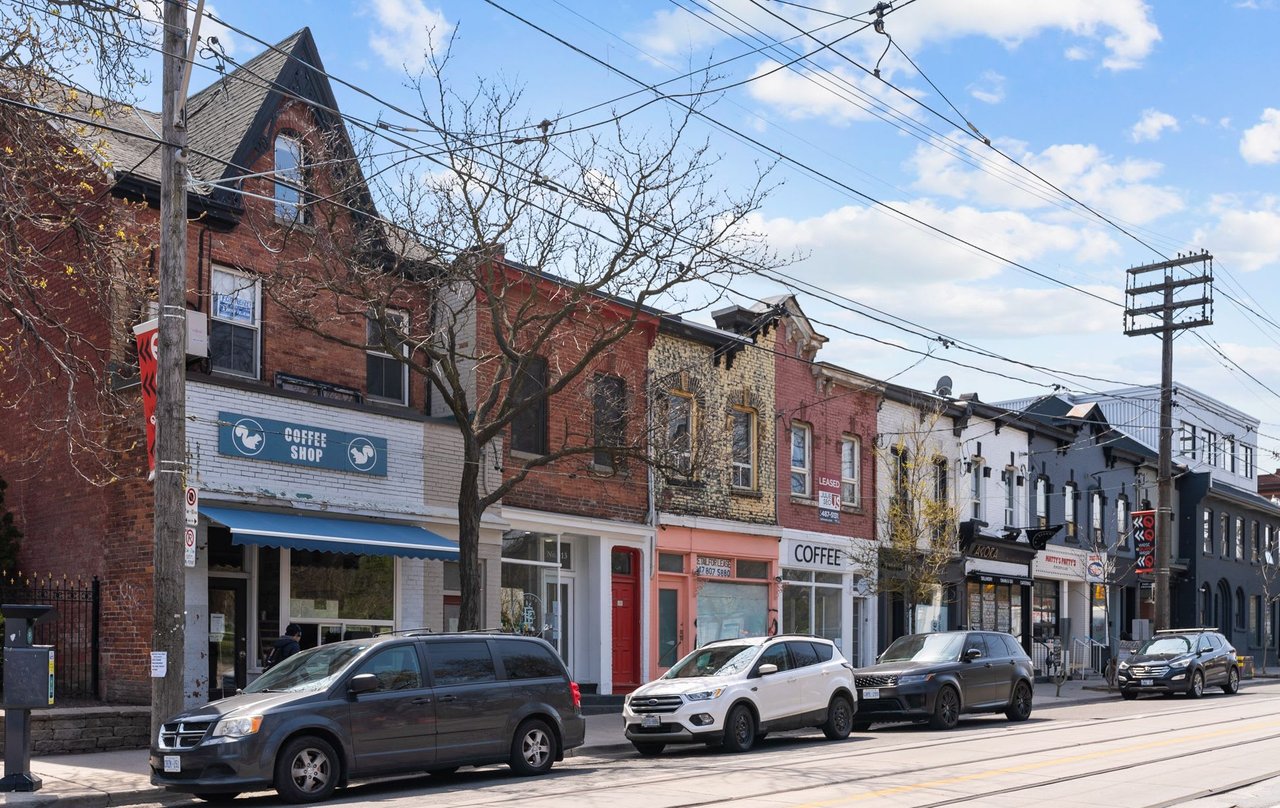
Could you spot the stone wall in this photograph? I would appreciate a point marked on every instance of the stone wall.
(67, 730)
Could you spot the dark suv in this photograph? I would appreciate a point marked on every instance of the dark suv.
(1183, 660)
(936, 677)
(376, 706)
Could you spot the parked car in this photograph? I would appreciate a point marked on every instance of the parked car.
(376, 706)
(734, 692)
(936, 677)
(1184, 660)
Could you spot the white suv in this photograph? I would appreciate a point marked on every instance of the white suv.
(733, 692)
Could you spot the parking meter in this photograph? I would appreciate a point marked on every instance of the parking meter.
(28, 685)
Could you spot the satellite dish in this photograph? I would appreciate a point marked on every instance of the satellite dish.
(943, 387)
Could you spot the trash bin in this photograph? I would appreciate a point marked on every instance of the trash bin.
(1245, 664)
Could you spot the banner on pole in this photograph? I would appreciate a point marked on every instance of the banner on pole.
(1144, 541)
(148, 336)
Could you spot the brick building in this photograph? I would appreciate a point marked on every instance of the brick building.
(317, 504)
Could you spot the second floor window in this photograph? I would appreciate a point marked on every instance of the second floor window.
(800, 455)
(849, 454)
(1210, 443)
(609, 418)
(1122, 522)
(975, 488)
(901, 475)
(744, 447)
(289, 181)
(529, 426)
(1010, 497)
(1239, 538)
(1246, 461)
(1255, 543)
(1069, 495)
(1189, 440)
(1224, 534)
(680, 431)
(1095, 518)
(235, 323)
(1042, 502)
(1229, 454)
(1206, 544)
(386, 374)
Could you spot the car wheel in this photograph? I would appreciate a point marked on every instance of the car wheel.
(1128, 695)
(216, 797)
(306, 770)
(739, 729)
(1019, 708)
(1233, 681)
(649, 748)
(839, 721)
(1196, 689)
(946, 709)
(534, 748)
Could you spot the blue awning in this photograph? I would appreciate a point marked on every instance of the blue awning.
(330, 534)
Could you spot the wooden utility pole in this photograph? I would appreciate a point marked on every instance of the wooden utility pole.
(169, 606)
(1166, 310)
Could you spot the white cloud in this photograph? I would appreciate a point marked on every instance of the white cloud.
(799, 97)
(1075, 53)
(1121, 188)
(1123, 28)
(152, 13)
(1245, 237)
(405, 31)
(1152, 125)
(988, 89)
(1261, 142)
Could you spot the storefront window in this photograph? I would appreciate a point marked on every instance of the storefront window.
(811, 603)
(341, 586)
(995, 607)
(531, 587)
(731, 610)
(1044, 610)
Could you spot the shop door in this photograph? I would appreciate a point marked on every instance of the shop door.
(669, 633)
(228, 640)
(626, 619)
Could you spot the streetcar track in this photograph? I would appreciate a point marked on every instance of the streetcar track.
(882, 750)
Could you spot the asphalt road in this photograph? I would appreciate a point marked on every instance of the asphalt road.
(1216, 752)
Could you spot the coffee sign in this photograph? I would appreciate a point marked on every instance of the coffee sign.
(257, 438)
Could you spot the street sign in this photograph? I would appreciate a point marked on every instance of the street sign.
(191, 500)
(189, 547)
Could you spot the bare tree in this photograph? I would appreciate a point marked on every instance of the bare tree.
(67, 246)
(916, 517)
(1269, 577)
(509, 261)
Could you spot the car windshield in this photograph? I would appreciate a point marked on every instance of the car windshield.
(924, 648)
(1166, 646)
(719, 660)
(313, 669)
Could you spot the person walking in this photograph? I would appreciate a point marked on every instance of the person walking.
(286, 646)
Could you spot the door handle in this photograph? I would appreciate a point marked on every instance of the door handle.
(448, 698)
(423, 700)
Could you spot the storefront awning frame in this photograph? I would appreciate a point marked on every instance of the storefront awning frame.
(330, 534)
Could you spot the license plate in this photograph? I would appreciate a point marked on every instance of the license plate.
(1145, 682)
(650, 721)
(172, 763)
(871, 693)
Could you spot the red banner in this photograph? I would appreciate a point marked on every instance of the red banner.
(1144, 541)
(147, 335)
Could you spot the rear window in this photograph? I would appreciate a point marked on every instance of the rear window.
(1011, 645)
(803, 654)
(824, 651)
(528, 660)
(460, 662)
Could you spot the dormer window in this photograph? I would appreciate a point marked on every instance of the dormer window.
(289, 181)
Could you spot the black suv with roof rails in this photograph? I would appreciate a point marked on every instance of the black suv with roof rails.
(1180, 660)
(376, 706)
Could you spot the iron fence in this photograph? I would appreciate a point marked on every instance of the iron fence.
(73, 631)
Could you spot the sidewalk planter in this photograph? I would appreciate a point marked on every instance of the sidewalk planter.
(88, 729)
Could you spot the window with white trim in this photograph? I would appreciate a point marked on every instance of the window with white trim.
(235, 323)
(1239, 538)
(1122, 522)
(1042, 502)
(1095, 518)
(1188, 446)
(1210, 443)
(801, 441)
(1247, 460)
(1229, 453)
(976, 510)
(744, 447)
(1010, 497)
(680, 430)
(850, 453)
(386, 373)
(1206, 543)
(1069, 494)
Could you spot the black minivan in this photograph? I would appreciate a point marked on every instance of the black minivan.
(383, 705)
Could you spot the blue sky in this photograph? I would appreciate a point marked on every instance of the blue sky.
(1163, 117)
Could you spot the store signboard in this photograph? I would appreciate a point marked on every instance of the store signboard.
(801, 554)
(257, 438)
(710, 567)
(1095, 571)
(1059, 563)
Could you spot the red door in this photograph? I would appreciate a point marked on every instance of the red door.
(626, 619)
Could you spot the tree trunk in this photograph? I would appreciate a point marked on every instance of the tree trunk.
(469, 513)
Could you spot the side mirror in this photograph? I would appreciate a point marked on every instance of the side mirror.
(972, 654)
(362, 683)
(767, 668)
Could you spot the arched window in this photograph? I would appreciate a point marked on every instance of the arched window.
(1240, 609)
(290, 182)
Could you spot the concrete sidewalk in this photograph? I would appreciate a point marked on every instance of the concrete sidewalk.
(123, 777)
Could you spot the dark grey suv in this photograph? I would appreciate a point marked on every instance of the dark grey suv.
(377, 706)
(936, 677)
(1182, 660)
